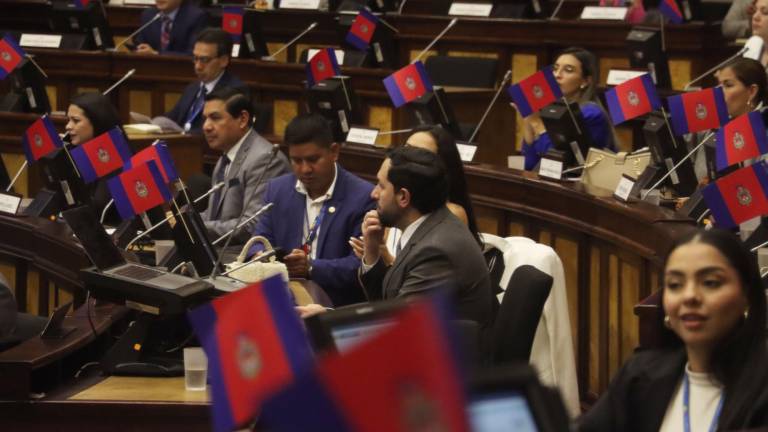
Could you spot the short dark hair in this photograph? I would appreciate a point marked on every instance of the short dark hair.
(235, 100)
(99, 111)
(421, 173)
(306, 128)
(218, 37)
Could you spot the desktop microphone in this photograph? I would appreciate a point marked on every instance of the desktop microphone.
(261, 211)
(754, 44)
(130, 36)
(437, 38)
(507, 77)
(271, 57)
(557, 9)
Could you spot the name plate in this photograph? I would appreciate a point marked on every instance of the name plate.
(466, 151)
(9, 203)
(360, 135)
(624, 188)
(604, 13)
(551, 168)
(139, 2)
(29, 40)
(235, 50)
(471, 9)
(618, 76)
(339, 55)
(300, 4)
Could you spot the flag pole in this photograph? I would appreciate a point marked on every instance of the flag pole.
(16, 177)
(669, 127)
(445, 30)
(677, 165)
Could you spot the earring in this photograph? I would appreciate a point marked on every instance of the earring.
(746, 314)
(666, 322)
(583, 86)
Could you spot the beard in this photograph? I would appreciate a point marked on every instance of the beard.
(388, 218)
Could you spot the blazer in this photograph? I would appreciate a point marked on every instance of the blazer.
(179, 111)
(190, 20)
(253, 162)
(440, 253)
(638, 396)
(335, 266)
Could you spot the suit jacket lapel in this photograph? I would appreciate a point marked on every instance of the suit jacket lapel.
(234, 170)
(656, 387)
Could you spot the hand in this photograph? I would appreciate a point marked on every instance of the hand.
(297, 263)
(309, 310)
(357, 245)
(145, 49)
(373, 237)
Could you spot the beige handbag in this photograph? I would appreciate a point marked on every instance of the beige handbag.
(603, 168)
(257, 271)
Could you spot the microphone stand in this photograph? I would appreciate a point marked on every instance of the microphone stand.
(557, 9)
(437, 38)
(130, 36)
(507, 77)
(271, 57)
(245, 222)
(677, 165)
(716, 67)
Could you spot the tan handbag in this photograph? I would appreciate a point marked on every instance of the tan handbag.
(603, 168)
(257, 271)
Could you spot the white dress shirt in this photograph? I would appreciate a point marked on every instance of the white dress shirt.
(313, 207)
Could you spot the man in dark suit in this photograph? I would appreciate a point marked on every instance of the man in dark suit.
(174, 32)
(247, 157)
(211, 57)
(435, 251)
(316, 210)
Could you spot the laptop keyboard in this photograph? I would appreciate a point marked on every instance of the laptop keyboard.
(138, 272)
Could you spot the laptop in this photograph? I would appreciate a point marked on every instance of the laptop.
(54, 328)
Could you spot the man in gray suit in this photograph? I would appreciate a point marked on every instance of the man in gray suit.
(247, 157)
(435, 251)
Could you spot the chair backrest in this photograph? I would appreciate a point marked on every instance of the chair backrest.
(519, 315)
(476, 72)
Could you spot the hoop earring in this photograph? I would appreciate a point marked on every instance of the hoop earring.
(746, 314)
(666, 322)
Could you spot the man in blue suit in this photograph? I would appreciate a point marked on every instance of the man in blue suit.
(175, 30)
(211, 58)
(316, 210)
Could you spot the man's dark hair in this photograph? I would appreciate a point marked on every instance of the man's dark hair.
(235, 101)
(422, 173)
(218, 37)
(309, 128)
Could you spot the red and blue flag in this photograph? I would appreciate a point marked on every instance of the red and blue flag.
(408, 83)
(102, 155)
(255, 345)
(535, 92)
(232, 21)
(741, 139)
(11, 55)
(698, 111)
(138, 189)
(40, 139)
(82, 4)
(739, 196)
(632, 98)
(362, 29)
(406, 378)
(671, 10)
(322, 65)
(159, 153)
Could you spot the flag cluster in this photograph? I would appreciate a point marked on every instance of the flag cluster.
(322, 65)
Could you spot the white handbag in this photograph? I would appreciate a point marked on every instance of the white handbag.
(604, 168)
(256, 271)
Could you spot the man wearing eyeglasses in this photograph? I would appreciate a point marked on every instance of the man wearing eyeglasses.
(211, 57)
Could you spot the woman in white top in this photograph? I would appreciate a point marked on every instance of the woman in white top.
(713, 372)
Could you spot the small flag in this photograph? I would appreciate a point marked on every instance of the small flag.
(535, 92)
(232, 22)
(669, 9)
(102, 155)
(138, 189)
(255, 345)
(407, 84)
(322, 65)
(159, 153)
(11, 55)
(739, 196)
(40, 139)
(362, 29)
(82, 4)
(741, 139)
(632, 98)
(405, 378)
(698, 111)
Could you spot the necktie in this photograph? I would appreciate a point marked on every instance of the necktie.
(399, 247)
(165, 33)
(195, 108)
(217, 195)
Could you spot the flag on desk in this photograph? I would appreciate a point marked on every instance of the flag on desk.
(102, 155)
(632, 98)
(232, 21)
(698, 111)
(408, 83)
(535, 92)
(81, 4)
(40, 139)
(362, 29)
(406, 378)
(159, 153)
(138, 189)
(11, 55)
(741, 139)
(255, 345)
(322, 65)
(739, 196)
(671, 10)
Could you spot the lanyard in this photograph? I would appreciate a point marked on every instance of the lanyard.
(312, 231)
(195, 109)
(686, 408)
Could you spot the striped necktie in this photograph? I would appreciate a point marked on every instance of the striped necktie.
(165, 33)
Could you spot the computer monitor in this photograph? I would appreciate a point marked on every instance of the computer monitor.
(568, 132)
(434, 109)
(27, 90)
(667, 152)
(63, 188)
(192, 243)
(252, 43)
(336, 100)
(66, 17)
(382, 50)
(645, 52)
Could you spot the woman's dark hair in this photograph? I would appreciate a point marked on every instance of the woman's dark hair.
(99, 110)
(589, 69)
(739, 361)
(750, 72)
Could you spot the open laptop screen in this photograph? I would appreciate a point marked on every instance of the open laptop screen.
(501, 412)
(95, 240)
(346, 337)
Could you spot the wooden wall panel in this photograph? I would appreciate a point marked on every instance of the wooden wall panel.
(614, 335)
(522, 65)
(629, 296)
(381, 118)
(140, 101)
(680, 72)
(568, 251)
(284, 112)
(596, 353)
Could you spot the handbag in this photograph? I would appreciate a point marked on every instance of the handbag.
(604, 168)
(256, 271)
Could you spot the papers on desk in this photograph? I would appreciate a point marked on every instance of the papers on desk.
(142, 124)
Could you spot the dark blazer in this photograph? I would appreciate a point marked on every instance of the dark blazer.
(189, 21)
(335, 268)
(638, 396)
(442, 252)
(179, 111)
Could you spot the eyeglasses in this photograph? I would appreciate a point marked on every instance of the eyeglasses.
(203, 59)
